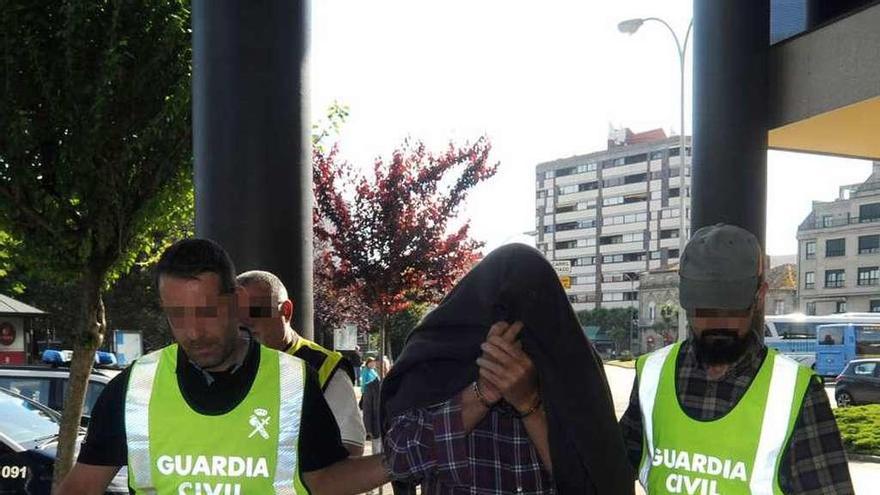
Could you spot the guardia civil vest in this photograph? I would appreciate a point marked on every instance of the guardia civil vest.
(738, 453)
(324, 361)
(250, 449)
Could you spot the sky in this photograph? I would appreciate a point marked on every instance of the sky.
(543, 80)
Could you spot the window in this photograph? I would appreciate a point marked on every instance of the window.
(548, 175)
(612, 296)
(636, 159)
(565, 245)
(548, 229)
(624, 219)
(810, 280)
(586, 261)
(581, 224)
(635, 198)
(830, 335)
(588, 186)
(811, 309)
(674, 192)
(827, 221)
(673, 253)
(869, 244)
(656, 155)
(669, 234)
(864, 369)
(869, 276)
(869, 212)
(565, 209)
(630, 296)
(835, 279)
(615, 200)
(635, 178)
(835, 247)
(570, 189)
(840, 307)
(36, 389)
(780, 307)
(874, 305)
(810, 250)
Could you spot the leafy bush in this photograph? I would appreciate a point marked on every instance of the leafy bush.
(860, 428)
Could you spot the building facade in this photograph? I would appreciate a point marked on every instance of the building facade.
(839, 252)
(612, 215)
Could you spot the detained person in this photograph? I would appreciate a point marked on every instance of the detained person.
(498, 391)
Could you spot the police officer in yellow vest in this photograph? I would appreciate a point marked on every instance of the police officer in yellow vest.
(216, 412)
(720, 413)
(267, 311)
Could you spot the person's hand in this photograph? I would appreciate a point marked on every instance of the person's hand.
(508, 369)
(489, 391)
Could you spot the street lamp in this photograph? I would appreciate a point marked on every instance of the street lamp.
(630, 26)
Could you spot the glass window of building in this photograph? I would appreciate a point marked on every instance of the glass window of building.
(869, 212)
(874, 305)
(835, 247)
(835, 279)
(869, 276)
(869, 244)
(810, 250)
(840, 307)
(811, 309)
(810, 280)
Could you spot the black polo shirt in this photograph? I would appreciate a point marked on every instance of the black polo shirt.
(320, 444)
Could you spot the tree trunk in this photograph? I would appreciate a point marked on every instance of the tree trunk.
(382, 336)
(88, 339)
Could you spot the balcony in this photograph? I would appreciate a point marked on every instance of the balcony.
(837, 222)
(835, 284)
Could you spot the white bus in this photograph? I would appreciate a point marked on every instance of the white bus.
(795, 334)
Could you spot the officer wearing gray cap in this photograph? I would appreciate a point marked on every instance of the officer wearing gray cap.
(720, 413)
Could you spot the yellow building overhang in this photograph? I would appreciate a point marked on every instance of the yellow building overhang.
(850, 131)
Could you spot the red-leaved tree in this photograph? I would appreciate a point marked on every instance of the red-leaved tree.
(388, 234)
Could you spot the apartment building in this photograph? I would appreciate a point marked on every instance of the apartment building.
(839, 252)
(612, 214)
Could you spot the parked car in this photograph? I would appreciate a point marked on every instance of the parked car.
(859, 383)
(48, 385)
(28, 444)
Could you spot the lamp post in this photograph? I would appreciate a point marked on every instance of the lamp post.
(630, 27)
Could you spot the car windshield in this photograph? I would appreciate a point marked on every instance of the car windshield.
(23, 421)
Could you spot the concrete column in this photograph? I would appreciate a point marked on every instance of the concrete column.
(731, 43)
(253, 173)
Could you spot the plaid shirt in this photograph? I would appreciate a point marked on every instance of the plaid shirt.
(429, 446)
(815, 462)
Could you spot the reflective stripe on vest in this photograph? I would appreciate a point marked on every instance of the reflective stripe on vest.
(327, 366)
(740, 452)
(649, 379)
(249, 449)
(137, 431)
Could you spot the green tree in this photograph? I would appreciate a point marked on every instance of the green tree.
(667, 325)
(95, 154)
(616, 323)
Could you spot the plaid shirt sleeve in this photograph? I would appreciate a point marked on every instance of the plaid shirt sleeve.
(815, 463)
(429, 443)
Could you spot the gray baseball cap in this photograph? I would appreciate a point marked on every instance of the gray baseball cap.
(719, 268)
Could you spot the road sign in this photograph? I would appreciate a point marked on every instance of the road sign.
(345, 338)
(562, 267)
(566, 281)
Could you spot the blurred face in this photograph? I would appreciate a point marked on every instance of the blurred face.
(202, 319)
(264, 317)
(721, 336)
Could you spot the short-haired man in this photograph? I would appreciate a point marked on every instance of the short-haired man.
(720, 412)
(215, 412)
(267, 313)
